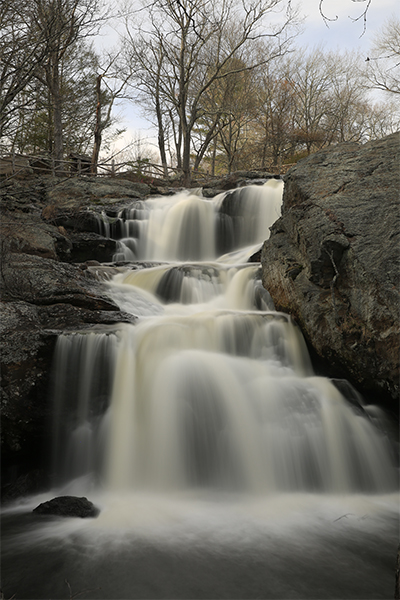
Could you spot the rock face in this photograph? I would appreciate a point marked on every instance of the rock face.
(332, 260)
(68, 506)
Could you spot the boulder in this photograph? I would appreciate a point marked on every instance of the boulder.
(68, 506)
(25, 232)
(332, 261)
(43, 281)
(28, 335)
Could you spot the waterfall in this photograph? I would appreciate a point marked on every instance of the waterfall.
(212, 389)
(188, 227)
(222, 465)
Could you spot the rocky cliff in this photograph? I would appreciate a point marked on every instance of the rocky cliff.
(332, 261)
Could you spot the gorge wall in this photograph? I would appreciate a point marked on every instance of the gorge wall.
(332, 261)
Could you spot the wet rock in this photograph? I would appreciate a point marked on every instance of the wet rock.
(77, 220)
(28, 335)
(211, 192)
(87, 245)
(41, 281)
(26, 357)
(65, 317)
(68, 506)
(41, 298)
(332, 260)
(256, 257)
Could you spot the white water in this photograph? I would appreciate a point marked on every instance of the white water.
(189, 227)
(203, 427)
(212, 388)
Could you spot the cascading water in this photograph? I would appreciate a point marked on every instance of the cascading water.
(212, 387)
(188, 227)
(204, 422)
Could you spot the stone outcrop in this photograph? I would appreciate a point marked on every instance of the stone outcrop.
(332, 261)
(68, 506)
(61, 219)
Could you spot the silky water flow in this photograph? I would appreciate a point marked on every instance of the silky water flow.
(222, 465)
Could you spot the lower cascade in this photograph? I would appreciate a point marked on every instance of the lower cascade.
(212, 388)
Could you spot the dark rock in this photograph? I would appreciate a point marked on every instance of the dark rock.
(332, 260)
(24, 485)
(65, 317)
(42, 281)
(25, 363)
(28, 335)
(211, 192)
(41, 298)
(26, 233)
(78, 191)
(68, 506)
(256, 257)
(86, 246)
(78, 220)
(25, 196)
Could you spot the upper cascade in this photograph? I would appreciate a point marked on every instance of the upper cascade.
(189, 227)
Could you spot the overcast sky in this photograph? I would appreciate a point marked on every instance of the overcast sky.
(341, 34)
(344, 33)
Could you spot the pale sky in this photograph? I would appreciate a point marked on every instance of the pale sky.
(342, 34)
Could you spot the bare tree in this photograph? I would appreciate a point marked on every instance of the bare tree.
(146, 57)
(311, 83)
(382, 66)
(347, 105)
(225, 110)
(276, 112)
(115, 81)
(189, 38)
(382, 119)
(81, 117)
(362, 16)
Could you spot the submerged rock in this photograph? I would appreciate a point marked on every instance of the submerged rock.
(68, 506)
(332, 260)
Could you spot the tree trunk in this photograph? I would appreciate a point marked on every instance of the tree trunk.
(186, 159)
(57, 118)
(264, 147)
(207, 141)
(178, 146)
(214, 154)
(97, 128)
(161, 139)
